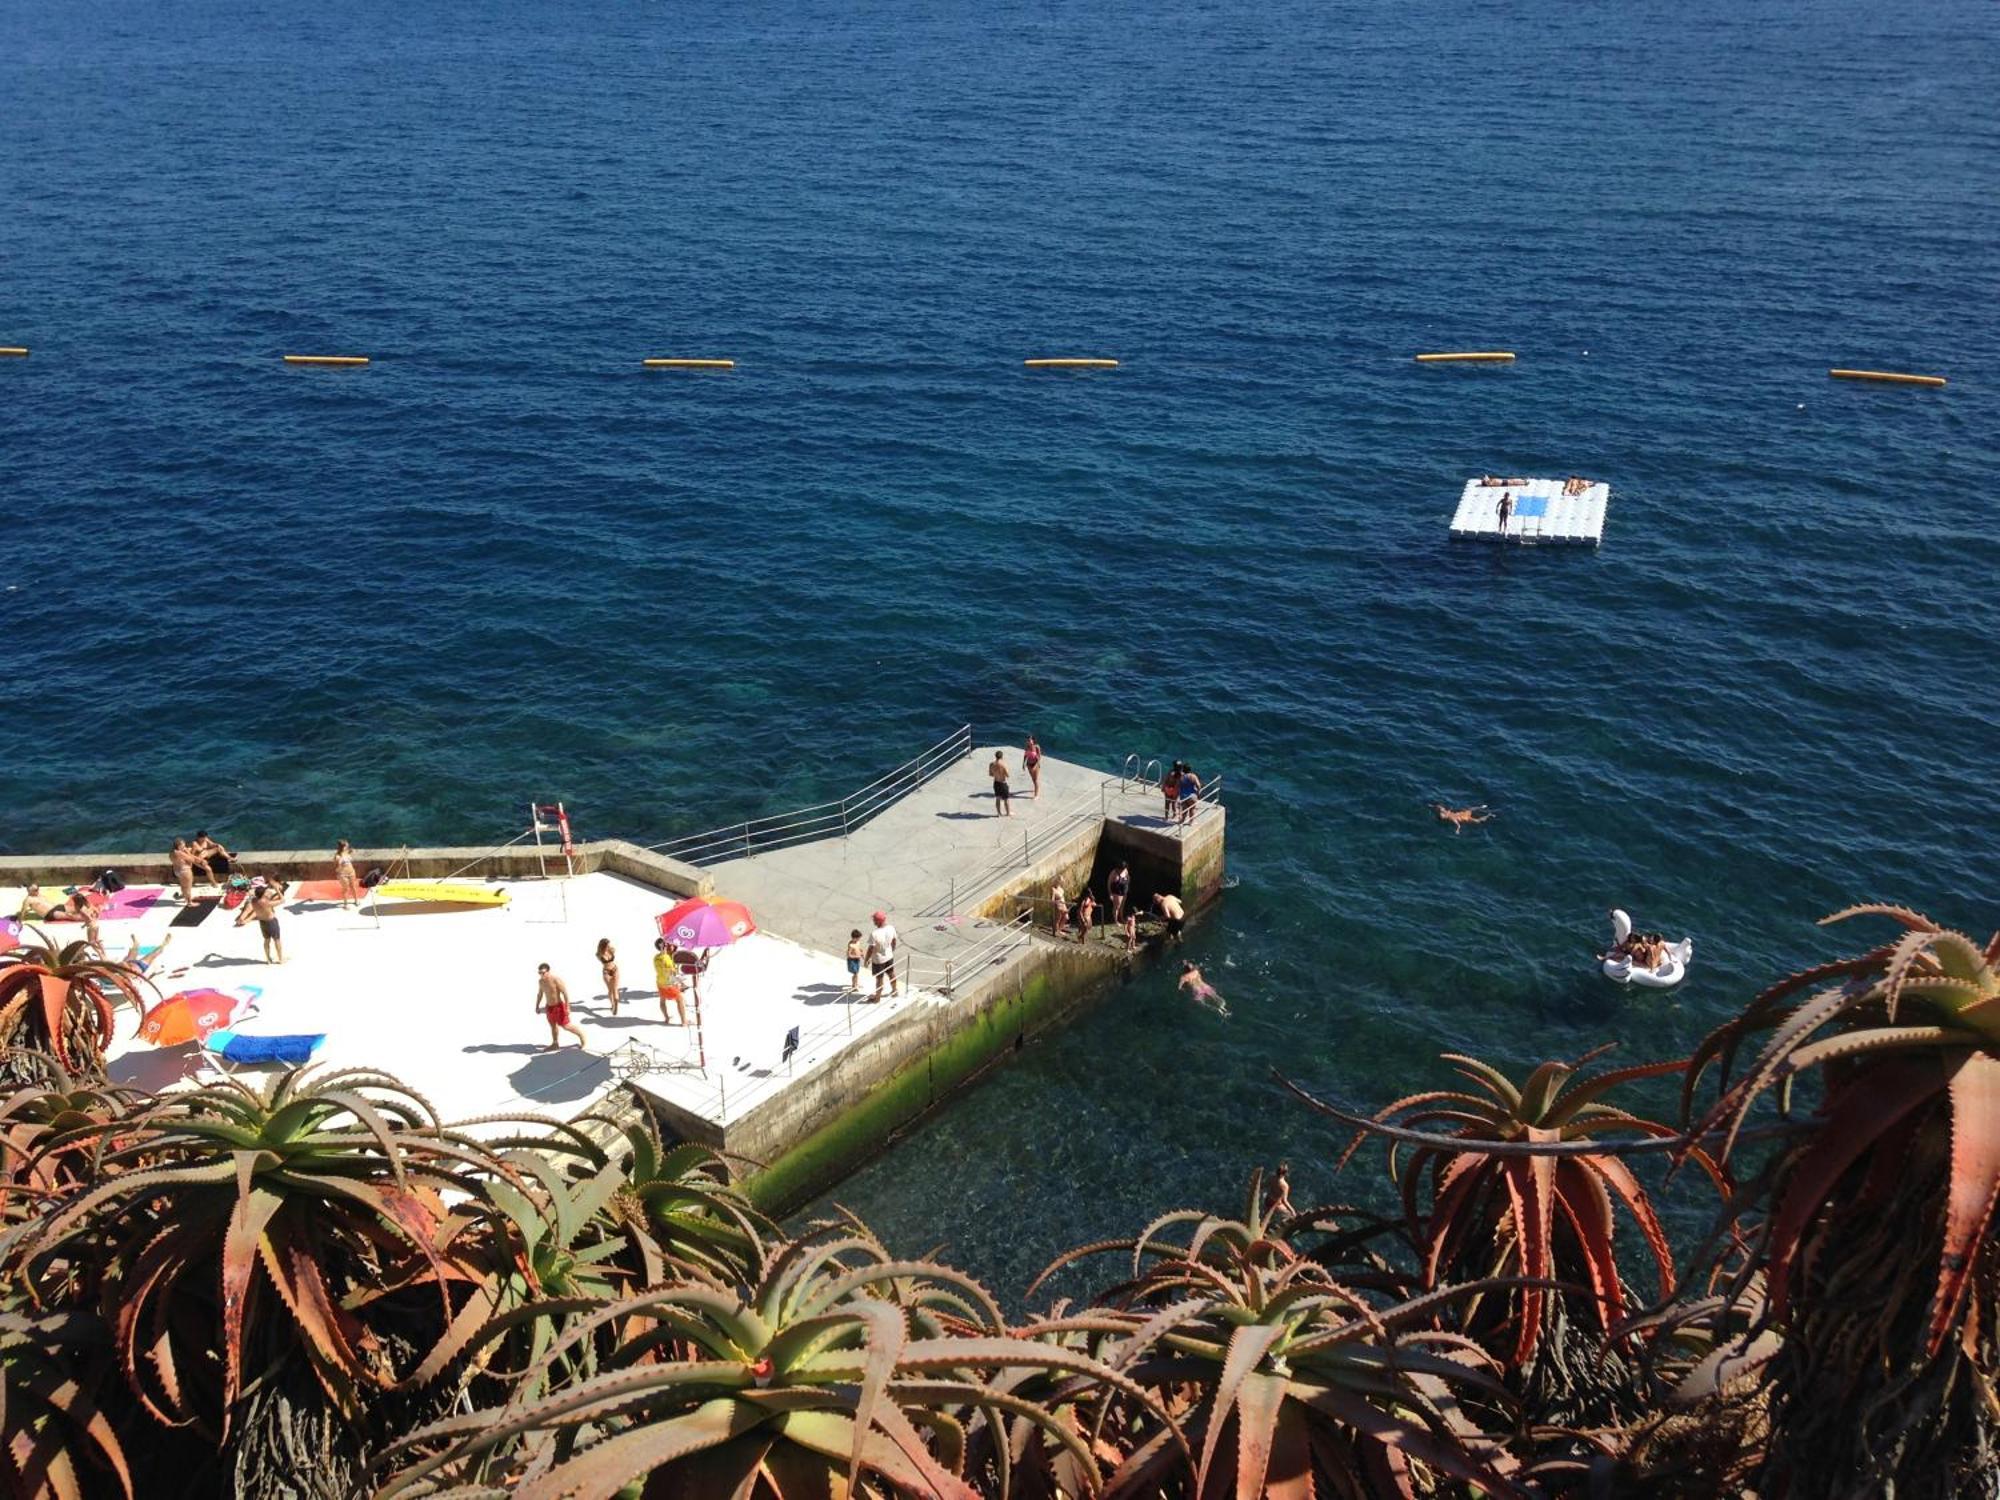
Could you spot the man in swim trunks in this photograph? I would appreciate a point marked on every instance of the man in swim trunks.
(882, 956)
(1169, 907)
(35, 907)
(668, 977)
(263, 905)
(552, 1003)
(1203, 992)
(1002, 795)
(1506, 509)
(211, 857)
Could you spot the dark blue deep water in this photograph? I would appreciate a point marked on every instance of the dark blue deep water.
(505, 562)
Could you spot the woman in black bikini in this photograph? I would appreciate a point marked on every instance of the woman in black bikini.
(607, 957)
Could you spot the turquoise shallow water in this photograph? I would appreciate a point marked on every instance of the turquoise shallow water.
(503, 562)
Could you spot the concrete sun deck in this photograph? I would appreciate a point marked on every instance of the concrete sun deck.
(445, 999)
(933, 859)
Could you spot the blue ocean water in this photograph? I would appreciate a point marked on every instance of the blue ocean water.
(504, 562)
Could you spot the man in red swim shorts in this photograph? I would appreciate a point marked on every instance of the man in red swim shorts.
(552, 1003)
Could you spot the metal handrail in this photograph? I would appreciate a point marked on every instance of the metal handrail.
(943, 976)
(1139, 773)
(1061, 825)
(1210, 795)
(820, 819)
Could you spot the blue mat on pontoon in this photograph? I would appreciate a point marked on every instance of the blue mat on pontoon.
(1537, 505)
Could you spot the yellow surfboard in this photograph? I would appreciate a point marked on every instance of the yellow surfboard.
(443, 892)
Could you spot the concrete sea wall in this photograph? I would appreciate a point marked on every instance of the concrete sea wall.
(611, 856)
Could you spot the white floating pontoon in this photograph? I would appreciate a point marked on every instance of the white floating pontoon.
(1538, 512)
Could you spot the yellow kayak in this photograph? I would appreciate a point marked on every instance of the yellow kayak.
(443, 892)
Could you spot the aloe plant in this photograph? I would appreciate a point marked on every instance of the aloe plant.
(842, 1371)
(1485, 1196)
(230, 1226)
(1888, 1367)
(49, 1136)
(61, 1000)
(695, 1212)
(1290, 1382)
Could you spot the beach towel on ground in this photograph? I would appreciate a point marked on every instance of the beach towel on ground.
(133, 901)
(291, 1050)
(196, 912)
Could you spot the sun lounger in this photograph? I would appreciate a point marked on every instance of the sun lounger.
(229, 1049)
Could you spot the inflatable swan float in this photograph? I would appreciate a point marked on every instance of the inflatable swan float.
(1672, 970)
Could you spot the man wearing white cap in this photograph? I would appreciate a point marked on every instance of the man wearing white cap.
(882, 956)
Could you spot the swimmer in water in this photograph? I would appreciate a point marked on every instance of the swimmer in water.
(1460, 817)
(1203, 992)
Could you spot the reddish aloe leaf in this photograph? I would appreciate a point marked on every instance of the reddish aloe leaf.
(1446, 1455)
(1856, 1119)
(1290, 1475)
(296, 1275)
(1257, 1408)
(1916, 921)
(55, 1000)
(1247, 1347)
(887, 1336)
(1975, 1180)
(1618, 1177)
(1451, 1222)
(1586, 1205)
(602, 1470)
(240, 1243)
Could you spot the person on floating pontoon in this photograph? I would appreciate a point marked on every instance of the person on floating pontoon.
(1576, 484)
(1505, 509)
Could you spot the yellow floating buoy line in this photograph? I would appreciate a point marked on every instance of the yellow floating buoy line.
(326, 359)
(1071, 364)
(690, 364)
(1470, 357)
(1887, 377)
(14, 352)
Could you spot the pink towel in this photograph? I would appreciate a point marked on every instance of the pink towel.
(133, 901)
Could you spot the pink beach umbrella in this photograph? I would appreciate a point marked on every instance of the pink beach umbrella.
(699, 922)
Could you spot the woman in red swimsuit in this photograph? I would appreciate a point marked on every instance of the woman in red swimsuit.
(1032, 759)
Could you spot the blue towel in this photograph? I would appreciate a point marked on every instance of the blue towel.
(1531, 505)
(293, 1050)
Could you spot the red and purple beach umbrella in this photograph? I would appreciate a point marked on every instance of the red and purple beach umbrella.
(699, 922)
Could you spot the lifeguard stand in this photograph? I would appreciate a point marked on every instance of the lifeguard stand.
(553, 818)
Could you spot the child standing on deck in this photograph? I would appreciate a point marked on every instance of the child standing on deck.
(857, 948)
